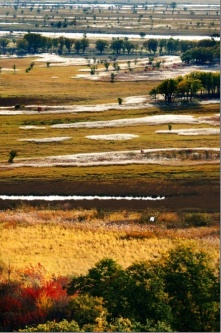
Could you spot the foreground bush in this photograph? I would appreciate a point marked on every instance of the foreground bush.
(178, 292)
(52, 326)
(31, 299)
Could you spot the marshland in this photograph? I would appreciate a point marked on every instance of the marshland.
(109, 164)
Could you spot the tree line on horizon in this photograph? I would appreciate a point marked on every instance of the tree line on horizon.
(202, 51)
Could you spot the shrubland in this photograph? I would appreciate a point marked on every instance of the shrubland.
(114, 271)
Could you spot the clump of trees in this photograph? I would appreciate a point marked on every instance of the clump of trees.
(195, 84)
(101, 45)
(201, 55)
(177, 293)
(35, 43)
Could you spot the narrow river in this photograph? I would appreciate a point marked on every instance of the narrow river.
(78, 35)
(77, 197)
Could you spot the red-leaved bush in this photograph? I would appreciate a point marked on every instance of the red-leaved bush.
(32, 299)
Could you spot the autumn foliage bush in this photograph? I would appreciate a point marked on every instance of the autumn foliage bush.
(32, 299)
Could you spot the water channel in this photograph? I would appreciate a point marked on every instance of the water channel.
(78, 35)
(78, 197)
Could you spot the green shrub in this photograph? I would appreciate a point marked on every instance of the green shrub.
(85, 309)
(196, 220)
(100, 214)
(52, 326)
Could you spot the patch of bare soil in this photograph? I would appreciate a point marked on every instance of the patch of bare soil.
(46, 140)
(192, 131)
(112, 137)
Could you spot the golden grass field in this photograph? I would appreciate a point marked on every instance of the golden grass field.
(68, 242)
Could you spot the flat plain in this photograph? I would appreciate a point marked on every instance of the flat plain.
(72, 136)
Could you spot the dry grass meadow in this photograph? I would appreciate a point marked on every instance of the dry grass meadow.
(68, 242)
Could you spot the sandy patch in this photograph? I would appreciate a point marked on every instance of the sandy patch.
(46, 140)
(129, 103)
(150, 120)
(163, 156)
(171, 66)
(165, 72)
(112, 137)
(78, 35)
(132, 102)
(29, 127)
(10, 70)
(213, 120)
(211, 101)
(93, 77)
(169, 59)
(56, 60)
(192, 131)
(96, 76)
(135, 99)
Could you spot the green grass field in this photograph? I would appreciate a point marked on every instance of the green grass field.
(38, 86)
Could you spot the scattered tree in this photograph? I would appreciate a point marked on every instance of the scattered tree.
(106, 65)
(173, 5)
(112, 77)
(101, 45)
(120, 100)
(142, 34)
(12, 155)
